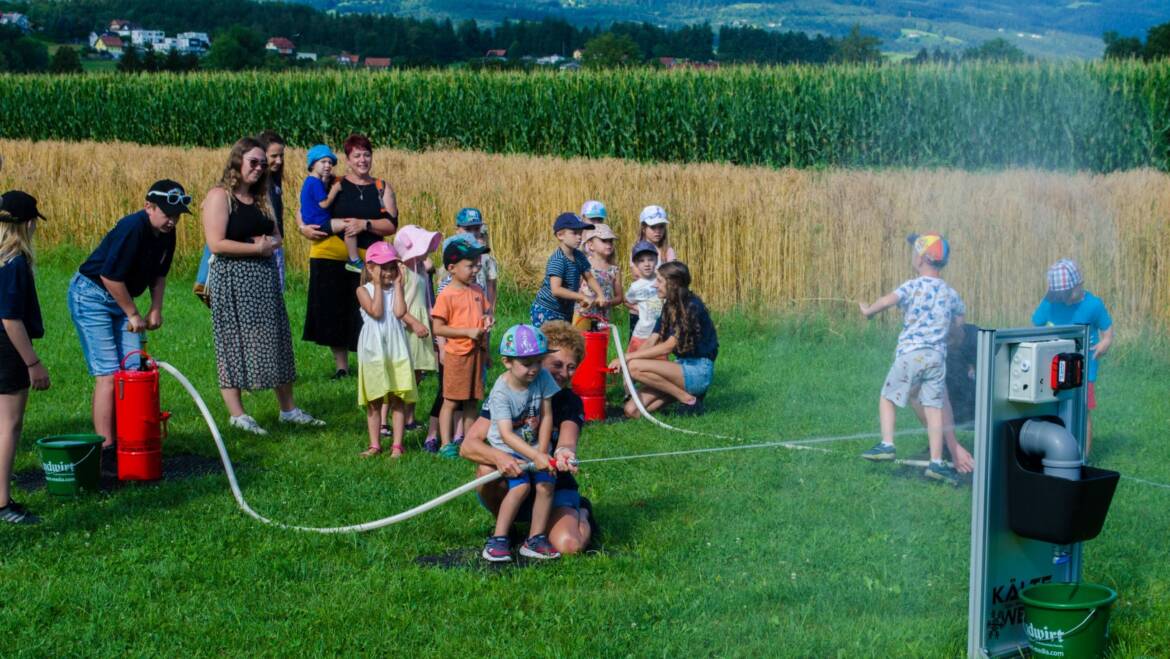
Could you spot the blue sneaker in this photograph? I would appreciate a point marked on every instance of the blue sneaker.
(943, 474)
(539, 547)
(496, 549)
(450, 451)
(880, 452)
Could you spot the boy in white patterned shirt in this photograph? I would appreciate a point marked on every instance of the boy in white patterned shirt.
(930, 308)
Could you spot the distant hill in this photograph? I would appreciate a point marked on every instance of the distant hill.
(1046, 28)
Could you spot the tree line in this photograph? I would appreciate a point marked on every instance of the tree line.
(240, 29)
(420, 42)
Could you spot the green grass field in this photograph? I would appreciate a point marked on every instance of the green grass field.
(754, 553)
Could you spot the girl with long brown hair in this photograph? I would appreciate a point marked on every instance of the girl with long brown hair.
(684, 330)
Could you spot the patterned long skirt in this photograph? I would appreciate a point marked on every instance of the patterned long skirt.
(253, 342)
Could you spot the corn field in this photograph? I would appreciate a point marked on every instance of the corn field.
(1085, 117)
(754, 237)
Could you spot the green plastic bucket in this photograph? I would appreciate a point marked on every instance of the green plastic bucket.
(1067, 619)
(72, 463)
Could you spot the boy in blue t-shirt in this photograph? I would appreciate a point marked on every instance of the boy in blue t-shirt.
(567, 271)
(1068, 303)
(930, 309)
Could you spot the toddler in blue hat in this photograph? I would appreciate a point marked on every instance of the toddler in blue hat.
(317, 195)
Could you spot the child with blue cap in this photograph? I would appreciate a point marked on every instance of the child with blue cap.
(567, 270)
(318, 194)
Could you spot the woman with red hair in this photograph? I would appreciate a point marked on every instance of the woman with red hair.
(365, 207)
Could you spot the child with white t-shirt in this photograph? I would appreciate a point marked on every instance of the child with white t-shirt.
(930, 308)
(643, 293)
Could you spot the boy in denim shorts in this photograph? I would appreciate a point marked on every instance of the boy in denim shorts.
(930, 309)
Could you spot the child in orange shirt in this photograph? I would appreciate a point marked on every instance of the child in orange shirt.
(461, 315)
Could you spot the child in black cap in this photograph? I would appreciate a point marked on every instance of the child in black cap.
(20, 366)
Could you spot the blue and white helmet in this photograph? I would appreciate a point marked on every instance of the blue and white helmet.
(593, 210)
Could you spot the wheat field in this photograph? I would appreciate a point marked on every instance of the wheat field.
(754, 237)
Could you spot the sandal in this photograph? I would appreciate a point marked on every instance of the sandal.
(396, 451)
(371, 452)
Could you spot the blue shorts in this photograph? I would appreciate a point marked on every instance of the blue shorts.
(565, 498)
(101, 325)
(530, 476)
(697, 374)
(541, 315)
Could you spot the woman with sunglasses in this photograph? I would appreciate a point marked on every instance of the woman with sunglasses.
(253, 342)
(133, 257)
(365, 207)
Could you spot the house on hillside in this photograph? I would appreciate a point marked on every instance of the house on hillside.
(193, 42)
(578, 54)
(347, 59)
(669, 62)
(110, 45)
(551, 60)
(301, 55)
(122, 28)
(143, 38)
(378, 63)
(16, 20)
(498, 53)
(280, 46)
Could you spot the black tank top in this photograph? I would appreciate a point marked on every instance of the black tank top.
(246, 222)
(362, 202)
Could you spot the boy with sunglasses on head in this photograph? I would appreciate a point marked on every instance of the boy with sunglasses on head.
(133, 257)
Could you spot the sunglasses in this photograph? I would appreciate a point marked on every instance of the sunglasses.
(256, 163)
(174, 197)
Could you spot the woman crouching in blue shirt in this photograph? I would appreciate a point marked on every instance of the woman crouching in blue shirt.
(684, 329)
(20, 367)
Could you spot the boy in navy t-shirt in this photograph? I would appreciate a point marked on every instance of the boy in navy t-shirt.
(133, 257)
(1068, 303)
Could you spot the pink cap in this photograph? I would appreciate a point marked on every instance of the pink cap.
(413, 241)
(381, 253)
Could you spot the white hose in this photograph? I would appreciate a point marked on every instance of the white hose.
(795, 445)
(483, 480)
(356, 528)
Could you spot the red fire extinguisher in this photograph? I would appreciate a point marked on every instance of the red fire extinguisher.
(139, 424)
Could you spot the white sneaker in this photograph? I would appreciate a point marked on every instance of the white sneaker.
(300, 417)
(247, 424)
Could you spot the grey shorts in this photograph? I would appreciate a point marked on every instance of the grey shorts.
(924, 370)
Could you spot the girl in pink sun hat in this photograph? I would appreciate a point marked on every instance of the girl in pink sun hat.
(385, 373)
(414, 245)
